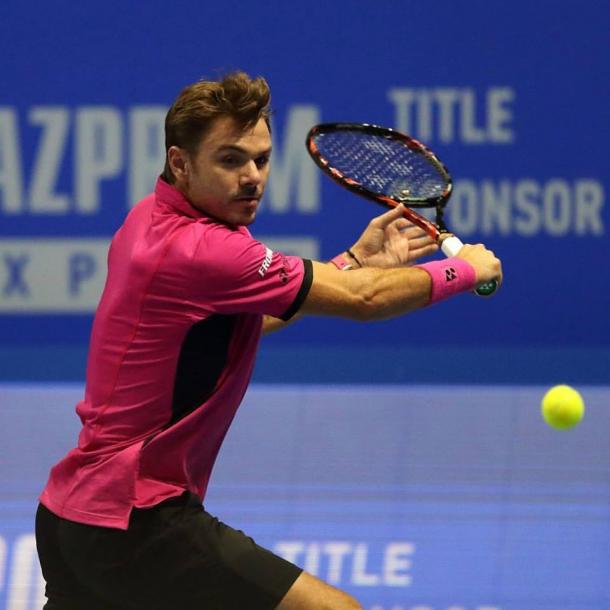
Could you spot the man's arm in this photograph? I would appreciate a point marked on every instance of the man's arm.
(389, 240)
(271, 324)
(386, 286)
(377, 294)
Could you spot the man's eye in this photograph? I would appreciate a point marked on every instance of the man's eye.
(262, 161)
(230, 160)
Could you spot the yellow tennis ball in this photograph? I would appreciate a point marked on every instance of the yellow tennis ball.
(562, 407)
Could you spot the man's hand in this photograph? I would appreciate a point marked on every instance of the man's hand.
(390, 240)
(486, 265)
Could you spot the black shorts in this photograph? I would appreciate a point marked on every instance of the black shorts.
(174, 556)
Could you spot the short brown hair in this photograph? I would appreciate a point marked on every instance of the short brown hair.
(191, 115)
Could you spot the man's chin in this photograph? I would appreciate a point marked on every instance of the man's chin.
(250, 218)
(243, 219)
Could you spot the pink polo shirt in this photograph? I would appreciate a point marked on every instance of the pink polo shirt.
(171, 354)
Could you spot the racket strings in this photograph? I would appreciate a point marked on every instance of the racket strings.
(382, 165)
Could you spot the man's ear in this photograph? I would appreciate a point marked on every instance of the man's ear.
(179, 163)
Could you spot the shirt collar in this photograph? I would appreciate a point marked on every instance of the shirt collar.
(169, 195)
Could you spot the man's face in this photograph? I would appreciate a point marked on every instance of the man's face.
(227, 176)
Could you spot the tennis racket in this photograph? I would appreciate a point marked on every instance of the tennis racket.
(389, 168)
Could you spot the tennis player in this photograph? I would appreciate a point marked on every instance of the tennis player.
(121, 525)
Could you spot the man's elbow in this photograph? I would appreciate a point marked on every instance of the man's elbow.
(369, 306)
(373, 305)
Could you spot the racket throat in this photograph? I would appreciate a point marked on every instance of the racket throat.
(440, 221)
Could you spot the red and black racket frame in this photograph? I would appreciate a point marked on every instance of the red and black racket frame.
(434, 229)
(437, 230)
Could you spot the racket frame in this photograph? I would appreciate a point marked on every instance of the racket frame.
(437, 230)
(448, 242)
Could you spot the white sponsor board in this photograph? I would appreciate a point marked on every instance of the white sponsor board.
(67, 275)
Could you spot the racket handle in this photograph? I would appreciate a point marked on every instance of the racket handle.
(450, 247)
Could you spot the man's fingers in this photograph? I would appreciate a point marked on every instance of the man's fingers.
(403, 227)
(389, 217)
(423, 250)
(412, 231)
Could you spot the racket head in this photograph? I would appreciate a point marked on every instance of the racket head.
(381, 164)
(389, 168)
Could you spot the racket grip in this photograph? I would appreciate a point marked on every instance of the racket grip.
(450, 247)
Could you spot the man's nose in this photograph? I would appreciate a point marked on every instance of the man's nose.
(251, 174)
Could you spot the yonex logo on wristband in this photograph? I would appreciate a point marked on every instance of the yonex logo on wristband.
(449, 277)
(450, 274)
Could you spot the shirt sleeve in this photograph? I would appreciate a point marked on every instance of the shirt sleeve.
(235, 273)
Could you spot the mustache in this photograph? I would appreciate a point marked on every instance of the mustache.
(249, 192)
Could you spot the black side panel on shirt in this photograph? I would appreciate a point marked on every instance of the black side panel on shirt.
(303, 290)
(202, 359)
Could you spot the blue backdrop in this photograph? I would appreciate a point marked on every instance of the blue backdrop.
(442, 490)
(509, 95)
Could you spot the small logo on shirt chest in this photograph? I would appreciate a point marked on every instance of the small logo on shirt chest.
(266, 262)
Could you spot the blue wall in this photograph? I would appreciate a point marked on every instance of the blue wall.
(508, 94)
(405, 460)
